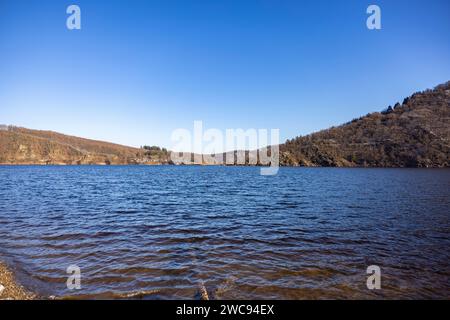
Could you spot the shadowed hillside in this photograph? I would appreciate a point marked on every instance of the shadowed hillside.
(415, 133)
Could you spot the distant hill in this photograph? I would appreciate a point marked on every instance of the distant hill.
(414, 133)
(25, 146)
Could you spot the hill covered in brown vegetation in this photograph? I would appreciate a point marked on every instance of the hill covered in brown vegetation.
(25, 146)
(414, 133)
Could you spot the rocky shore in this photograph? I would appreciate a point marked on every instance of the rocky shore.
(10, 289)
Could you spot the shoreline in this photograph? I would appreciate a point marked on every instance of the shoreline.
(214, 165)
(10, 288)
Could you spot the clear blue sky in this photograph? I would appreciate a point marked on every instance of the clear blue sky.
(137, 70)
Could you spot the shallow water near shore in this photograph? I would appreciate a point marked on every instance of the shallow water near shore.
(171, 232)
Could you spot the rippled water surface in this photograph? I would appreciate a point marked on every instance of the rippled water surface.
(167, 232)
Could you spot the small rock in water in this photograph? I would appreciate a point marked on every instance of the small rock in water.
(203, 292)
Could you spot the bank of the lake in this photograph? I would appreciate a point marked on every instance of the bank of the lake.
(10, 289)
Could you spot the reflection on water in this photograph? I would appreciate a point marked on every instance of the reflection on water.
(171, 232)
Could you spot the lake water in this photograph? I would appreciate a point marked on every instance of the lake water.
(170, 232)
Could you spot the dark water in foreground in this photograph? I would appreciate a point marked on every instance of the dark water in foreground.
(164, 232)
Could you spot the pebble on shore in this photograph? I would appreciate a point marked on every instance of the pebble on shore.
(10, 289)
